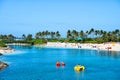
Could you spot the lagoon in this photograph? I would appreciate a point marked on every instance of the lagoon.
(35, 63)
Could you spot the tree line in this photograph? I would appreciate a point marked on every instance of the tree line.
(91, 35)
(95, 35)
(39, 35)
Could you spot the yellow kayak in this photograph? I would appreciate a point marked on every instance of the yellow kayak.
(79, 68)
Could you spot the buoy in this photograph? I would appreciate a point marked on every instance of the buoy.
(63, 64)
(58, 64)
(79, 68)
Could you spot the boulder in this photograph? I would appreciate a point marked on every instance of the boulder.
(3, 65)
(1, 54)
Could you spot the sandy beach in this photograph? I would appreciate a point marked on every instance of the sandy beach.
(111, 46)
(6, 50)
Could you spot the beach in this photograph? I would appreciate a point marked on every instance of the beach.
(110, 46)
(6, 50)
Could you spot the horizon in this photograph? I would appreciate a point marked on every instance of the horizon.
(24, 17)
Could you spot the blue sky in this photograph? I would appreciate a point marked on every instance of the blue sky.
(30, 16)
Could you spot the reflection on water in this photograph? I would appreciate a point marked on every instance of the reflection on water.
(79, 75)
(113, 54)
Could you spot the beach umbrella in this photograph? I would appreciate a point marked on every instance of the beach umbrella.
(79, 39)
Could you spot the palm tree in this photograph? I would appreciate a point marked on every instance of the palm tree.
(46, 33)
(104, 36)
(37, 35)
(117, 33)
(11, 37)
(43, 34)
(81, 34)
(91, 32)
(96, 33)
(58, 34)
(0, 36)
(86, 34)
(101, 33)
(69, 34)
(118, 36)
(49, 34)
(52, 35)
(114, 36)
(74, 34)
(109, 36)
(29, 37)
(23, 37)
(40, 34)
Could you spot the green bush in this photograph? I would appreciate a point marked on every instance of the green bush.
(39, 41)
(3, 45)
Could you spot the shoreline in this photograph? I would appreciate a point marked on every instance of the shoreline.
(6, 50)
(105, 46)
(3, 65)
(19, 44)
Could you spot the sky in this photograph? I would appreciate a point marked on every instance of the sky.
(19, 17)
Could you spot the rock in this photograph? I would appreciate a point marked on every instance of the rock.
(3, 65)
(1, 54)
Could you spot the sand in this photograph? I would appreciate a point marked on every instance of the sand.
(6, 50)
(111, 46)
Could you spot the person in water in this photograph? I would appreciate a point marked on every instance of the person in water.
(58, 64)
(63, 64)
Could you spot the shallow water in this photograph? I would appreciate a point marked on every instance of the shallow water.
(34, 63)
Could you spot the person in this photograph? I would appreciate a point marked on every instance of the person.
(58, 64)
(63, 64)
(78, 64)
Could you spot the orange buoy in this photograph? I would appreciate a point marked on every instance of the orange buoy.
(63, 64)
(58, 64)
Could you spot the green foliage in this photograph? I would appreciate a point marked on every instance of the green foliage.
(90, 36)
(53, 40)
(2, 45)
(5, 40)
(39, 41)
(91, 41)
(29, 37)
(64, 40)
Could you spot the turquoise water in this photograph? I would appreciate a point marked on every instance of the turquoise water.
(31, 63)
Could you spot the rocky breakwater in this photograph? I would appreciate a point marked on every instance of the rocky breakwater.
(1, 54)
(3, 65)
